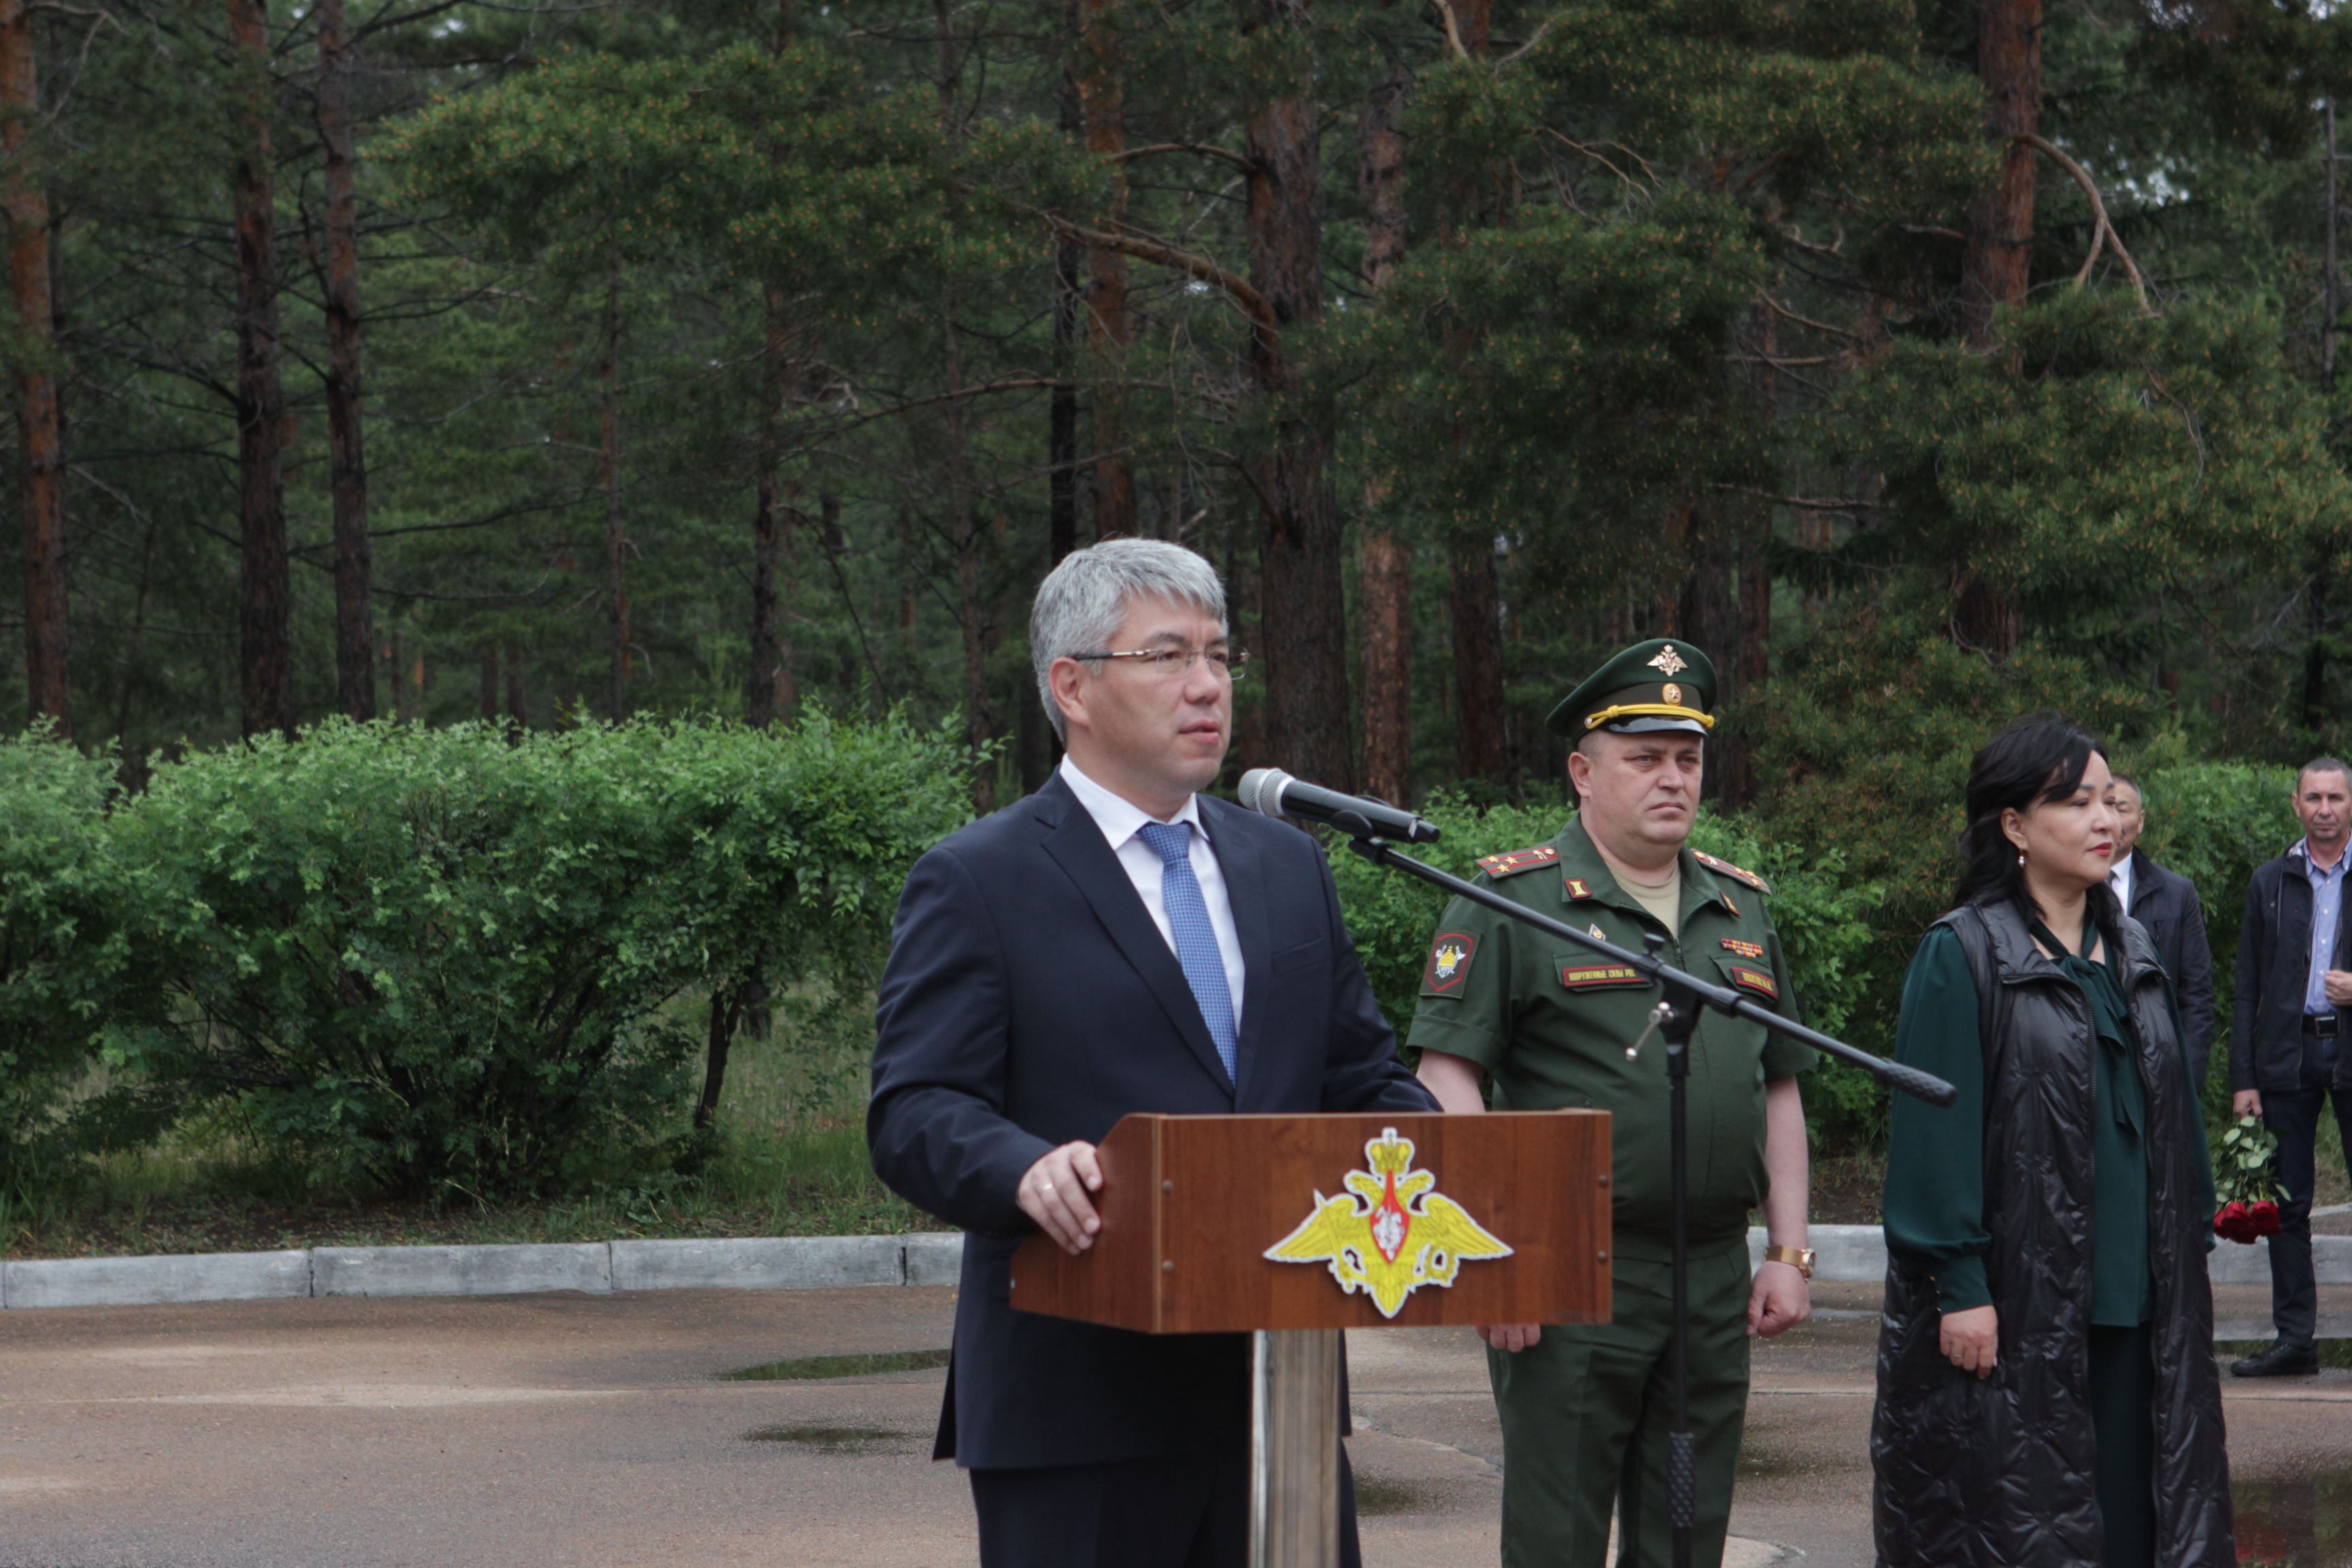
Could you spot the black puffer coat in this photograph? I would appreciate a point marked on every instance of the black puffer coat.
(1997, 1472)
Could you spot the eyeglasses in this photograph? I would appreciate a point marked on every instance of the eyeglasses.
(1169, 663)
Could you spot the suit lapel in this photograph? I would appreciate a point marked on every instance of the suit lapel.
(1246, 887)
(1077, 845)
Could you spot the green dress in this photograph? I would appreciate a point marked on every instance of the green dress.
(1935, 1203)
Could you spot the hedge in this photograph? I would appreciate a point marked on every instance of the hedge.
(448, 960)
(468, 962)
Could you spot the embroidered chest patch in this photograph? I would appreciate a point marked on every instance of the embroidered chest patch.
(1744, 948)
(1754, 979)
(1449, 963)
(1594, 976)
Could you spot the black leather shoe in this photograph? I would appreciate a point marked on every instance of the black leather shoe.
(2283, 1359)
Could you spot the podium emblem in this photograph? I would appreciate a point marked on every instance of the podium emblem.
(1391, 1232)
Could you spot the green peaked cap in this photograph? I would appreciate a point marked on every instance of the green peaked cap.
(1661, 684)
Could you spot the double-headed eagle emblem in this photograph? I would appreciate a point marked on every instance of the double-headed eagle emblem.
(1669, 662)
(1390, 1232)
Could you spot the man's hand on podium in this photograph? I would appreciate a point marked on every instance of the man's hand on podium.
(1510, 1336)
(1053, 1193)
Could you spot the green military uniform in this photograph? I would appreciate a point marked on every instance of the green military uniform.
(1585, 1411)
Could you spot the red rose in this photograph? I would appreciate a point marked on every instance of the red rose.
(2265, 1218)
(2234, 1224)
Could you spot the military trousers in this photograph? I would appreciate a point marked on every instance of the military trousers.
(1586, 1410)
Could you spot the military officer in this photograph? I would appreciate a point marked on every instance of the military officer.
(1585, 1409)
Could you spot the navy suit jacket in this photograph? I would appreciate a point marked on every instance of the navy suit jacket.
(1030, 1001)
(2166, 903)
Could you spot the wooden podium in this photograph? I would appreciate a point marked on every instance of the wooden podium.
(1295, 1227)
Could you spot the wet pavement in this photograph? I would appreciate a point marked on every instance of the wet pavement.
(563, 1429)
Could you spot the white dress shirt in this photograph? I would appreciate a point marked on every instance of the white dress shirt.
(1121, 821)
(2120, 880)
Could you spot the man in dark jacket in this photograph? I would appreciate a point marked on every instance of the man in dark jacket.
(2294, 991)
(2166, 904)
(1114, 942)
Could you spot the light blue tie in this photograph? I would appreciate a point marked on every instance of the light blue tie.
(1196, 939)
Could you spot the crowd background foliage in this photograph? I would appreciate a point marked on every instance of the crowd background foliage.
(551, 414)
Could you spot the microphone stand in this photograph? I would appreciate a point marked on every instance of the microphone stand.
(1673, 1019)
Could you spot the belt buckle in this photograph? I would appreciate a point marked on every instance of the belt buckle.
(2321, 1024)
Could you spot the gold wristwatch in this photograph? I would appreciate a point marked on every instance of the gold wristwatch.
(1800, 1259)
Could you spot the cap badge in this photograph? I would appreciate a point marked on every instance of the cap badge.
(1669, 662)
(1670, 692)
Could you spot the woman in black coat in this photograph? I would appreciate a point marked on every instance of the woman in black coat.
(2047, 1392)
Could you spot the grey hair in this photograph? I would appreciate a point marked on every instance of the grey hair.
(1082, 602)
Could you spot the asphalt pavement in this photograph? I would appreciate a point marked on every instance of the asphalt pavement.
(560, 1429)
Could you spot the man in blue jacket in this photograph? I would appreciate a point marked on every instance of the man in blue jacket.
(2294, 995)
(1115, 942)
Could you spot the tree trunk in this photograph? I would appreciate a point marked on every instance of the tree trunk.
(1482, 748)
(266, 620)
(1304, 609)
(1998, 260)
(1709, 617)
(1062, 402)
(1385, 598)
(771, 649)
(488, 702)
(617, 540)
(2316, 711)
(1479, 747)
(355, 564)
(1999, 254)
(1751, 662)
(769, 677)
(1110, 327)
(38, 427)
(962, 526)
(518, 701)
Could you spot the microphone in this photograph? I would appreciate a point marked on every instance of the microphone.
(1273, 793)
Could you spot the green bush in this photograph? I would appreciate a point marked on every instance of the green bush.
(64, 957)
(452, 961)
(1821, 917)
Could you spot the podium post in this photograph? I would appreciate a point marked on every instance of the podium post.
(1292, 1228)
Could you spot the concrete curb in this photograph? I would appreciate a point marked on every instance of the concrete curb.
(1842, 1252)
(597, 1267)
(459, 1270)
(1859, 1252)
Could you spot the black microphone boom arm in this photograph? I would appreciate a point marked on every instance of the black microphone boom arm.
(1910, 1080)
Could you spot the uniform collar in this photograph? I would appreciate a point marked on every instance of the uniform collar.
(1581, 864)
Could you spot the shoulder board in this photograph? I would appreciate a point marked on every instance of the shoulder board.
(1497, 867)
(1732, 871)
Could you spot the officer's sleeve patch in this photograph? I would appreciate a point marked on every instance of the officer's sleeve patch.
(1732, 871)
(1748, 978)
(1578, 976)
(1498, 866)
(1449, 963)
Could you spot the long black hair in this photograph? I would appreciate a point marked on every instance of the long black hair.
(2039, 758)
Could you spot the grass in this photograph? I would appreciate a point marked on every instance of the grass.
(790, 1160)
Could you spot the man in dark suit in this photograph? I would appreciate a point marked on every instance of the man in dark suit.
(2286, 1061)
(2166, 903)
(1115, 942)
